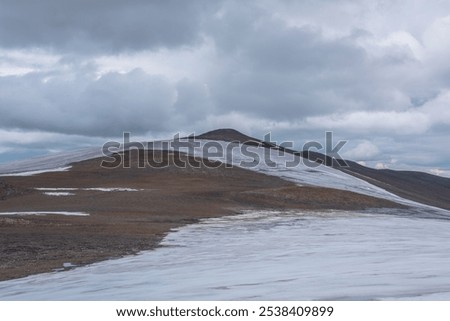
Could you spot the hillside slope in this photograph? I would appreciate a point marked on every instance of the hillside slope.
(416, 186)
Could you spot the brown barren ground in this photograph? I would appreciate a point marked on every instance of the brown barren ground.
(123, 223)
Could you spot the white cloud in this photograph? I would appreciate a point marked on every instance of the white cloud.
(20, 62)
(187, 62)
(440, 172)
(364, 151)
(398, 43)
(20, 137)
(380, 166)
(438, 109)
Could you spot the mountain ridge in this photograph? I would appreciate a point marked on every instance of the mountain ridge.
(418, 186)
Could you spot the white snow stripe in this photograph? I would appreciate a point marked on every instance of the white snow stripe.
(45, 213)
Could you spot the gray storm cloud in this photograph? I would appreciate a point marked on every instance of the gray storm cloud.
(111, 26)
(373, 72)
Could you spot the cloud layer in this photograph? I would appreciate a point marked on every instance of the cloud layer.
(374, 72)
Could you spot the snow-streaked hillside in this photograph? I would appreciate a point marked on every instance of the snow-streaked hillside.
(255, 158)
(323, 254)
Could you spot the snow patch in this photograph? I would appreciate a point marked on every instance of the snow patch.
(112, 189)
(56, 189)
(58, 193)
(100, 189)
(31, 173)
(44, 213)
(331, 255)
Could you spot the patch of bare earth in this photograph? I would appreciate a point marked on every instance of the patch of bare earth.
(126, 222)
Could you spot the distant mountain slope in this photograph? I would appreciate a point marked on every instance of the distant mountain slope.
(422, 187)
(417, 186)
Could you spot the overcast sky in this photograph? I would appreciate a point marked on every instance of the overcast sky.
(376, 73)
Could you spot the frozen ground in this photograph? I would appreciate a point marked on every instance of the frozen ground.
(269, 256)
